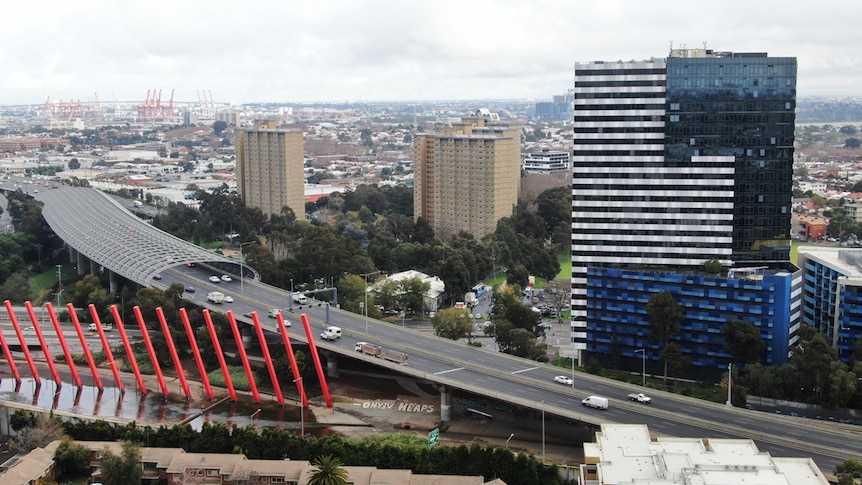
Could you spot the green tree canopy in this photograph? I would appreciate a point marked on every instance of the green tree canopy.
(328, 471)
(123, 469)
(665, 316)
(452, 323)
(743, 341)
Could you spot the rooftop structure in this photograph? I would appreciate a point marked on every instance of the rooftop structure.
(626, 454)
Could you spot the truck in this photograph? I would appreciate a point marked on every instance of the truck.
(216, 297)
(397, 357)
(300, 298)
(367, 349)
(597, 402)
(470, 299)
(640, 397)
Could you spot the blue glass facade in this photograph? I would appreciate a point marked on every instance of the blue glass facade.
(617, 317)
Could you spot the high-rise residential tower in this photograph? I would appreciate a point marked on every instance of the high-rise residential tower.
(269, 168)
(678, 161)
(467, 177)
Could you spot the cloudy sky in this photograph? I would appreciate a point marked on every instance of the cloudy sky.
(392, 50)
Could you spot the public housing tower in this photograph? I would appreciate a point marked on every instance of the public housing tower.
(467, 176)
(269, 168)
(678, 161)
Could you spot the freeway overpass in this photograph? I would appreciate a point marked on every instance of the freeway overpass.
(117, 240)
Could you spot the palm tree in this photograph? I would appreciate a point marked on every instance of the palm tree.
(328, 472)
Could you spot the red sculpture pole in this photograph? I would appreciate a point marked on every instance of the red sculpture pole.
(74, 316)
(45, 350)
(313, 349)
(128, 346)
(75, 377)
(268, 359)
(8, 352)
(300, 387)
(217, 346)
(242, 355)
(106, 347)
(23, 343)
(149, 343)
(177, 364)
(197, 352)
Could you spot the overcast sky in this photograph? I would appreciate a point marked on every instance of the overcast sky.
(392, 50)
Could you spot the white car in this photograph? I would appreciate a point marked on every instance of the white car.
(214, 279)
(226, 278)
(564, 380)
(228, 299)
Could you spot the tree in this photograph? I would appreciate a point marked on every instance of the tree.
(713, 266)
(327, 471)
(848, 472)
(852, 143)
(412, 294)
(123, 469)
(74, 164)
(72, 458)
(43, 431)
(452, 323)
(743, 341)
(664, 315)
(219, 127)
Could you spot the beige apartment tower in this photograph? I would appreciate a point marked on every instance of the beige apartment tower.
(269, 168)
(467, 176)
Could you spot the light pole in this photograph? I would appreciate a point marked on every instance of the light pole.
(366, 275)
(729, 383)
(290, 301)
(542, 403)
(242, 268)
(507, 440)
(643, 365)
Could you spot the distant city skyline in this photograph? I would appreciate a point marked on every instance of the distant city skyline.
(383, 50)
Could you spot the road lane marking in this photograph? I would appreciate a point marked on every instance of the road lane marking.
(447, 371)
(524, 370)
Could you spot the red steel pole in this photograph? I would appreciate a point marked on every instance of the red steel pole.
(23, 343)
(89, 355)
(75, 377)
(313, 349)
(8, 352)
(217, 346)
(106, 347)
(149, 344)
(179, 365)
(242, 355)
(128, 346)
(300, 387)
(45, 350)
(268, 359)
(197, 352)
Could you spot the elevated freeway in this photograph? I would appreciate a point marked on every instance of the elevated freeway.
(453, 366)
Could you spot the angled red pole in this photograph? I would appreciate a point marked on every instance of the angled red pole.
(106, 347)
(177, 364)
(149, 344)
(12, 366)
(66, 353)
(197, 353)
(45, 350)
(268, 359)
(89, 355)
(300, 387)
(313, 349)
(217, 346)
(128, 346)
(23, 343)
(242, 355)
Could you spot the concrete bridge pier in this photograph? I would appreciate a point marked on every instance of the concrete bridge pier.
(73, 255)
(331, 364)
(81, 263)
(94, 268)
(112, 281)
(445, 404)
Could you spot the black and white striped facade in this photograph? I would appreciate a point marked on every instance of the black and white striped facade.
(630, 206)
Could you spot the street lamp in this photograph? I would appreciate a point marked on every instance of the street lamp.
(507, 440)
(366, 275)
(241, 268)
(729, 383)
(643, 365)
(290, 301)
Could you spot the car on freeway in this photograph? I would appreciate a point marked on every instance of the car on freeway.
(272, 313)
(214, 279)
(228, 299)
(157, 276)
(226, 278)
(564, 380)
(189, 289)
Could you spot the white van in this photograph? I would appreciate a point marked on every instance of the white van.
(331, 333)
(597, 402)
